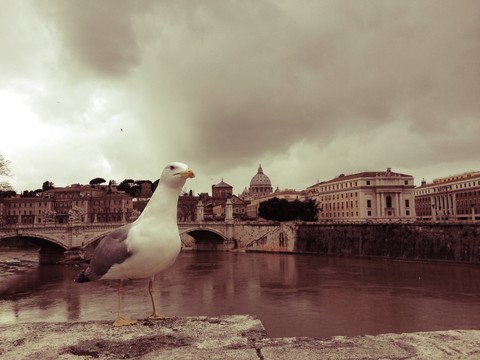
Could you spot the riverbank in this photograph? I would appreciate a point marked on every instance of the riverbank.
(448, 242)
(226, 337)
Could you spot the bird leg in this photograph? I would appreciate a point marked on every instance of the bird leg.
(154, 315)
(121, 321)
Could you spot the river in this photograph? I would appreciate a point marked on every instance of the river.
(293, 295)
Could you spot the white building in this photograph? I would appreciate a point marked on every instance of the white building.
(451, 198)
(376, 196)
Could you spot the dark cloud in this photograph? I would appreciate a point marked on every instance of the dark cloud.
(97, 36)
(337, 85)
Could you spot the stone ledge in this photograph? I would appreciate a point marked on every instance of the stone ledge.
(225, 337)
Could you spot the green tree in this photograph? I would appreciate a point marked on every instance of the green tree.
(97, 181)
(283, 210)
(47, 185)
(7, 194)
(126, 185)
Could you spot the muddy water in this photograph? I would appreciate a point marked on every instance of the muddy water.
(293, 295)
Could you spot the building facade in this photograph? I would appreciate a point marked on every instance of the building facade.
(34, 210)
(221, 192)
(239, 208)
(451, 198)
(215, 207)
(365, 196)
(77, 203)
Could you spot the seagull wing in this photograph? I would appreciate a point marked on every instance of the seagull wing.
(111, 250)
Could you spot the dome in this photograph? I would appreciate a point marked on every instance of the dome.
(260, 179)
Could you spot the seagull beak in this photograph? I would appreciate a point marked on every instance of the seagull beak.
(187, 173)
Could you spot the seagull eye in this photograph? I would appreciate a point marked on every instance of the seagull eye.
(172, 167)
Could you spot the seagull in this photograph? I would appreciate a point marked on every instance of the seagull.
(145, 247)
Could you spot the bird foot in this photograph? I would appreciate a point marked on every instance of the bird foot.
(120, 321)
(156, 316)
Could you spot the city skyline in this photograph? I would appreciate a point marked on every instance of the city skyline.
(308, 91)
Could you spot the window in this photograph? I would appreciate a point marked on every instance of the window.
(368, 182)
(369, 203)
(407, 203)
(388, 201)
(369, 213)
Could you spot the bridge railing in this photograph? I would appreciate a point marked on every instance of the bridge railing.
(60, 227)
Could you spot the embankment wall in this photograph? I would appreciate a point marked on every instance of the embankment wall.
(445, 242)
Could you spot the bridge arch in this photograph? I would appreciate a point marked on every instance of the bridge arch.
(40, 240)
(204, 238)
(51, 250)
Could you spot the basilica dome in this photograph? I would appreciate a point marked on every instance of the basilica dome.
(260, 184)
(260, 179)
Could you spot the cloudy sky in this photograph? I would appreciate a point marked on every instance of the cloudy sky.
(309, 89)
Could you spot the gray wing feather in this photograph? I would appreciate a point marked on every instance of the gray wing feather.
(111, 250)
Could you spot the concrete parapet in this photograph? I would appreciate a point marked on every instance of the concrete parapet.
(226, 337)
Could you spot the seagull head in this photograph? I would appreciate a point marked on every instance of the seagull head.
(175, 174)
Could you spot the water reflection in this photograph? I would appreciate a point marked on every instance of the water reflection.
(293, 295)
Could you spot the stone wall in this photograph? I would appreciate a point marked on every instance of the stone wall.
(273, 238)
(445, 242)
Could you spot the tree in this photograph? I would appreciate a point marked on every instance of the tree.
(135, 190)
(97, 181)
(4, 172)
(7, 194)
(126, 185)
(283, 210)
(47, 185)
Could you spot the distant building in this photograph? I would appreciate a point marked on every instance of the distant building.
(187, 207)
(375, 196)
(18, 210)
(451, 198)
(239, 208)
(79, 203)
(146, 189)
(221, 192)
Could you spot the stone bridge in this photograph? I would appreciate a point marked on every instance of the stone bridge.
(70, 240)
(238, 235)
